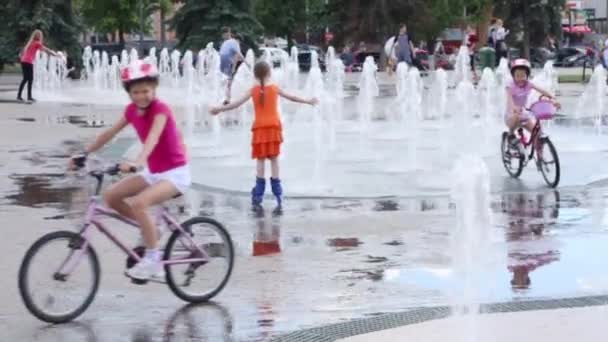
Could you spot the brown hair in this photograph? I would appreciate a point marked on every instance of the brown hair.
(261, 71)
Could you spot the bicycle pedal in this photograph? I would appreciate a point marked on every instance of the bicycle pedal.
(139, 281)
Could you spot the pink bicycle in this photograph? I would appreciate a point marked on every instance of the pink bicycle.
(59, 275)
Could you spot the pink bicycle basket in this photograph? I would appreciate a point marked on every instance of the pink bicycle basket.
(543, 110)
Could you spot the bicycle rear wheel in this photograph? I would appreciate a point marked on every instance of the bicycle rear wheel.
(49, 295)
(511, 158)
(199, 281)
(548, 162)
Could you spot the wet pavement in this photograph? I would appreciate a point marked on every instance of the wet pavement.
(326, 261)
(320, 261)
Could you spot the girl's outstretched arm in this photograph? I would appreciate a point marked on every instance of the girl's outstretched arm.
(107, 135)
(230, 106)
(313, 101)
(49, 51)
(543, 92)
(547, 94)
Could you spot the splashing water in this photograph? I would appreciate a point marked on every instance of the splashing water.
(152, 56)
(315, 88)
(133, 56)
(164, 63)
(175, 74)
(114, 73)
(462, 67)
(188, 70)
(471, 240)
(368, 90)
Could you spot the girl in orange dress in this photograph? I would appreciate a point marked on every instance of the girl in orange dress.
(267, 130)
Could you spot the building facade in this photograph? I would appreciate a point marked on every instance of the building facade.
(597, 9)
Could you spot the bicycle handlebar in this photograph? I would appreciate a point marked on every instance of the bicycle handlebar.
(80, 162)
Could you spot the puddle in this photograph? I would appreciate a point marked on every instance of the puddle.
(39, 190)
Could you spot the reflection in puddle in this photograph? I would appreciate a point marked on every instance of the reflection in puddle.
(38, 191)
(266, 240)
(529, 216)
(344, 242)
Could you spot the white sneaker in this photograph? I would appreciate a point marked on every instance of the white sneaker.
(147, 269)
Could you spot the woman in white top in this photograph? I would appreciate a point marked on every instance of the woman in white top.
(500, 34)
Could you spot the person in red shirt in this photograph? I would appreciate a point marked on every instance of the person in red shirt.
(28, 56)
(471, 42)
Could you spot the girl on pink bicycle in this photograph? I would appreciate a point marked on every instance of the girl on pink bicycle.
(166, 173)
(518, 92)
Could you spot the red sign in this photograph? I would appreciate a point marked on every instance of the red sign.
(329, 36)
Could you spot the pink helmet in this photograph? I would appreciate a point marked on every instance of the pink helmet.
(137, 70)
(521, 63)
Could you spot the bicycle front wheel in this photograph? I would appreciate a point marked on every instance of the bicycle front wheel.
(548, 162)
(207, 273)
(59, 277)
(512, 159)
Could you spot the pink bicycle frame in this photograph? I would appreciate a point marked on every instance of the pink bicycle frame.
(95, 211)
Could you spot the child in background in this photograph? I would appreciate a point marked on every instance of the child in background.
(267, 130)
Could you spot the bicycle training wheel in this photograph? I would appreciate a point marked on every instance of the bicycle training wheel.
(199, 281)
(53, 297)
(511, 158)
(549, 162)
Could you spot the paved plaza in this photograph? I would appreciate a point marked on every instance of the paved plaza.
(328, 268)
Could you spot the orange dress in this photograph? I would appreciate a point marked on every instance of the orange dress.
(267, 130)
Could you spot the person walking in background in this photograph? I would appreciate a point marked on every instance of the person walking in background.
(491, 31)
(403, 47)
(230, 54)
(471, 42)
(28, 56)
(347, 58)
(500, 34)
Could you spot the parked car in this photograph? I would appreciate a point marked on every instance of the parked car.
(570, 57)
(304, 52)
(540, 55)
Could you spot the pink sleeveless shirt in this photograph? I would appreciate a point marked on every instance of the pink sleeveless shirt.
(169, 153)
(519, 95)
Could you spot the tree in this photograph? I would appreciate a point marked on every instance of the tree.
(199, 22)
(280, 17)
(426, 19)
(122, 16)
(533, 19)
(164, 7)
(55, 18)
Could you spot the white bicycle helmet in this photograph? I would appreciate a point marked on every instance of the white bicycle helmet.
(138, 70)
(521, 63)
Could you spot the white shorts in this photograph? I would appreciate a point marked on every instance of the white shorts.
(179, 177)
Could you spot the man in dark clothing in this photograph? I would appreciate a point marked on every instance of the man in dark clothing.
(403, 47)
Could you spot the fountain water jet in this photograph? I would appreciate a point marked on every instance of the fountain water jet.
(471, 240)
(368, 90)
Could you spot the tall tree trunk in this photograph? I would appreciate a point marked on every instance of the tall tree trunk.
(526, 42)
(163, 29)
(121, 37)
(487, 12)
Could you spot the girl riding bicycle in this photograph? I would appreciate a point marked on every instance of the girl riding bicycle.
(518, 92)
(167, 173)
(267, 129)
